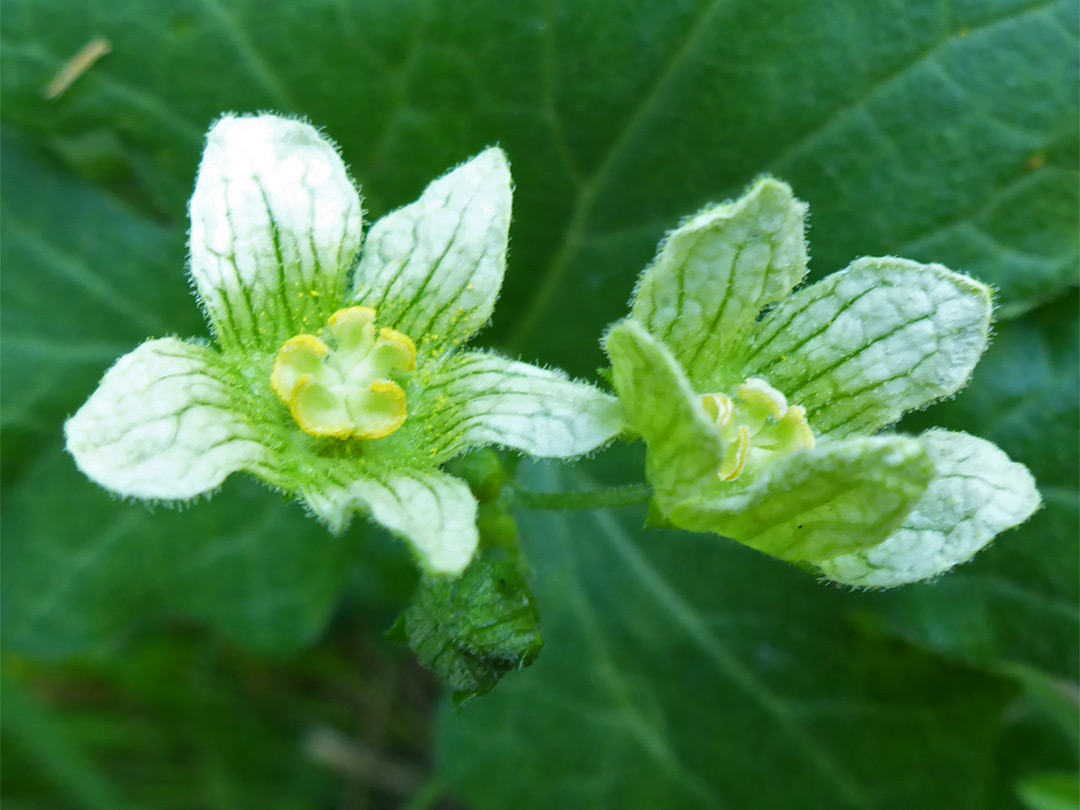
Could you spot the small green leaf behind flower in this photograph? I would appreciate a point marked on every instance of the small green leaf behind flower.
(473, 629)
(759, 404)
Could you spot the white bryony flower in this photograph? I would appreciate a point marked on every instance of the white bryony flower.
(758, 404)
(341, 383)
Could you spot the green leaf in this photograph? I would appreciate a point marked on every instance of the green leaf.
(945, 133)
(84, 282)
(1050, 791)
(680, 672)
(81, 570)
(41, 731)
(1018, 600)
(473, 630)
(865, 345)
(715, 274)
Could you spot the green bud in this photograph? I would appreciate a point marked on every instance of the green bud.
(472, 630)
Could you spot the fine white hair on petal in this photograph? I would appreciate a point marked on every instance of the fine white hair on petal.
(863, 346)
(714, 274)
(433, 269)
(275, 229)
(163, 425)
(434, 512)
(495, 400)
(977, 493)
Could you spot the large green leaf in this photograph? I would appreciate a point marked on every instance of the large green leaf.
(81, 569)
(1018, 601)
(84, 281)
(685, 671)
(941, 131)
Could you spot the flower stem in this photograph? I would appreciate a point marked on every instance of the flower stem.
(597, 499)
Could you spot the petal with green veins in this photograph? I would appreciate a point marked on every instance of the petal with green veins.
(488, 399)
(164, 424)
(818, 504)
(433, 269)
(865, 345)
(976, 493)
(685, 448)
(715, 273)
(275, 229)
(433, 511)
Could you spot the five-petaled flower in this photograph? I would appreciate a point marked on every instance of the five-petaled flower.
(340, 383)
(758, 404)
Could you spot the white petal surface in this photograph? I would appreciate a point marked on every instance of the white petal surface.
(977, 493)
(487, 399)
(715, 273)
(433, 269)
(865, 345)
(433, 511)
(163, 425)
(275, 229)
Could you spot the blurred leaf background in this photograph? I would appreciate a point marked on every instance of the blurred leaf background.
(230, 655)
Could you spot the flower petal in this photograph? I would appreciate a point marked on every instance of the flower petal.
(817, 504)
(717, 271)
(433, 511)
(163, 424)
(685, 449)
(976, 494)
(482, 398)
(863, 346)
(275, 229)
(433, 269)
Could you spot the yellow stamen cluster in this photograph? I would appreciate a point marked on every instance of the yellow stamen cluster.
(345, 392)
(757, 425)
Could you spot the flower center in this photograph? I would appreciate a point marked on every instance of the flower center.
(345, 392)
(758, 427)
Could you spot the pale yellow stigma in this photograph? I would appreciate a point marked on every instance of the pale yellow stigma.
(344, 390)
(757, 427)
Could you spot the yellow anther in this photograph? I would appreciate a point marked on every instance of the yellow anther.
(384, 411)
(737, 454)
(397, 347)
(719, 407)
(351, 315)
(759, 395)
(756, 426)
(299, 356)
(794, 431)
(353, 329)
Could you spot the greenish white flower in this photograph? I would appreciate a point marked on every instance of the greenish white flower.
(341, 383)
(761, 406)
